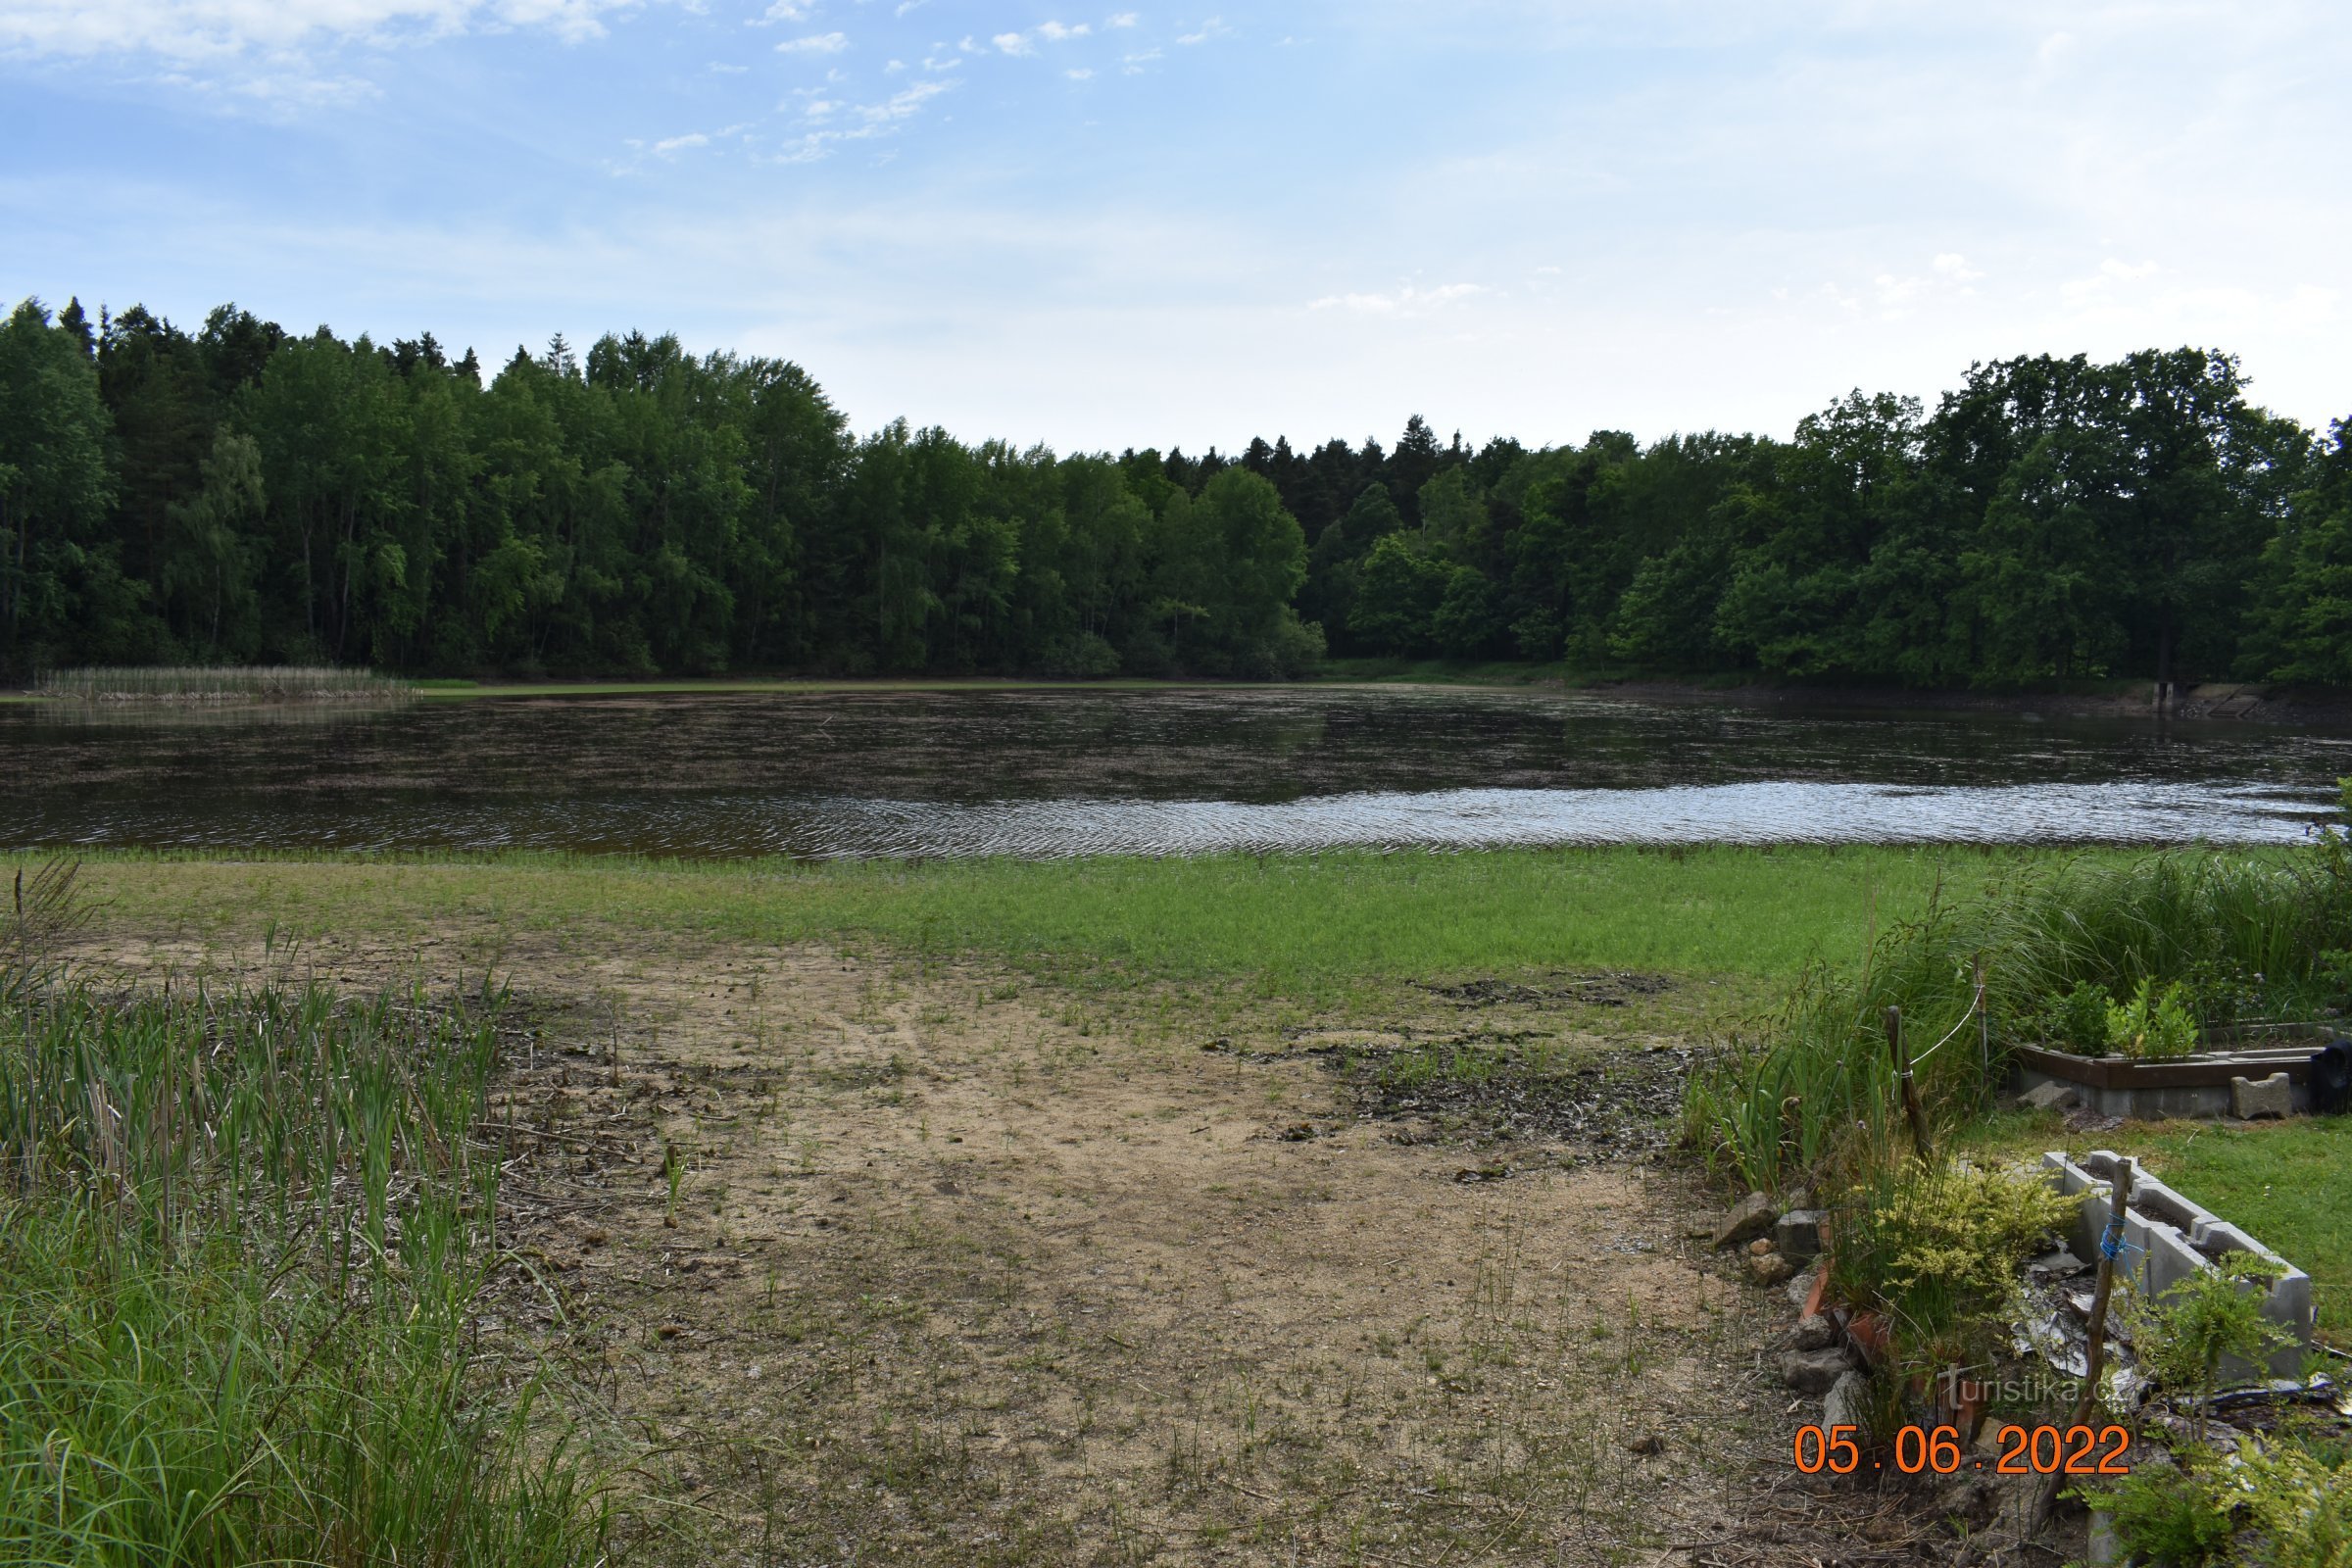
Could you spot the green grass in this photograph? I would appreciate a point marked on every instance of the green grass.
(242, 1236)
(1303, 926)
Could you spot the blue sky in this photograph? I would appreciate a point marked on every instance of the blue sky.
(1111, 226)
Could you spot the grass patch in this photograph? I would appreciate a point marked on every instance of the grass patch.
(257, 683)
(461, 690)
(1311, 927)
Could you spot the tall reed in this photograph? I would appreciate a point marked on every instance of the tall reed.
(1813, 1092)
(243, 1237)
(252, 683)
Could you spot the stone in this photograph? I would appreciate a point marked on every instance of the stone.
(2052, 1096)
(2058, 1265)
(1848, 1403)
(1815, 1331)
(1760, 1245)
(1800, 1289)
(1748, 1220)
(2250, 1098)
(1797, 1234)
(1970, 1500)
(1768, 1269)
(1796, 1198)
(1648, 1445)
(1815, 1371)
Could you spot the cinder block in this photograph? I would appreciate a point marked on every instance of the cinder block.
(2251, 1098)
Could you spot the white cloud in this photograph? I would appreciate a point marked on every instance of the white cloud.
(816, 43)
(1056, 32)
(2103, 285)
(1407, 301)
(1213, 28)
(781, 11)
(1013, 43)
(681, 143)
(194, 31)
(904, 102)
(1124, 18)
(1082, 74)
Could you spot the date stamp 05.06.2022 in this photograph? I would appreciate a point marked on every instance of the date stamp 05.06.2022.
(2038, 1450)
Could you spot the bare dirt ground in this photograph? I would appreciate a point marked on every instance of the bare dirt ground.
(857, 1261)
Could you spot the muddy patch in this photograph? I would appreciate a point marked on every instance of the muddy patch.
(1604, 990)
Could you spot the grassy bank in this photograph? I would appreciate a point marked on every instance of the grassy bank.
(1306, 926)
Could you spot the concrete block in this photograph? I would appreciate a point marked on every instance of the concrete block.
(2251, 1099)
(2179, 1240)
(1797, 1234)
(2170, 1259)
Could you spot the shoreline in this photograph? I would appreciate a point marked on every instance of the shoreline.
(2234, 702)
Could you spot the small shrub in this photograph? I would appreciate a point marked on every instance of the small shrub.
(2301, 1503)
(1939, 1250)
(2168, 1518)
(2153, 1026)
(2183, 1338)
(2077, 1020)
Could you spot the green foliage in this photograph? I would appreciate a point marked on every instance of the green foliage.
(2168, 1518)
(241, 1237)
(2183, 1338)
(2153, 1026)
(242, 495)
(1939, 1249)
(2300, 1502)
(2077, 1020)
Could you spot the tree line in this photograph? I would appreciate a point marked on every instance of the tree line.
(241, 494)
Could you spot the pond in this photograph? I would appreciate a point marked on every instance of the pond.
(1163, 771)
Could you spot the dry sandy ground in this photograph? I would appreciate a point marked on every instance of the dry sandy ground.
(857, 1262)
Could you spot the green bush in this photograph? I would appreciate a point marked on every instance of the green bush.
(1939, 1250)
(2182, 1339)
(2168, 1518)
(2153, 1026)
(2301, 1503)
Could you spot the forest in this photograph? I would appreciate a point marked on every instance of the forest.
(243, 494)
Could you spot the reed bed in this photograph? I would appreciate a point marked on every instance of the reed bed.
(243, 1241)
(199, 684)
(1812, 1093)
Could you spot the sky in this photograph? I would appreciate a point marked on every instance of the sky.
(1112, 228)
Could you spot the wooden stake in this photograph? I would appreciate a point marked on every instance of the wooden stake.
(1903, 1081)
(2110, 1246)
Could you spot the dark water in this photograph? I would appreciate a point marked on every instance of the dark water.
(1070, 772)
